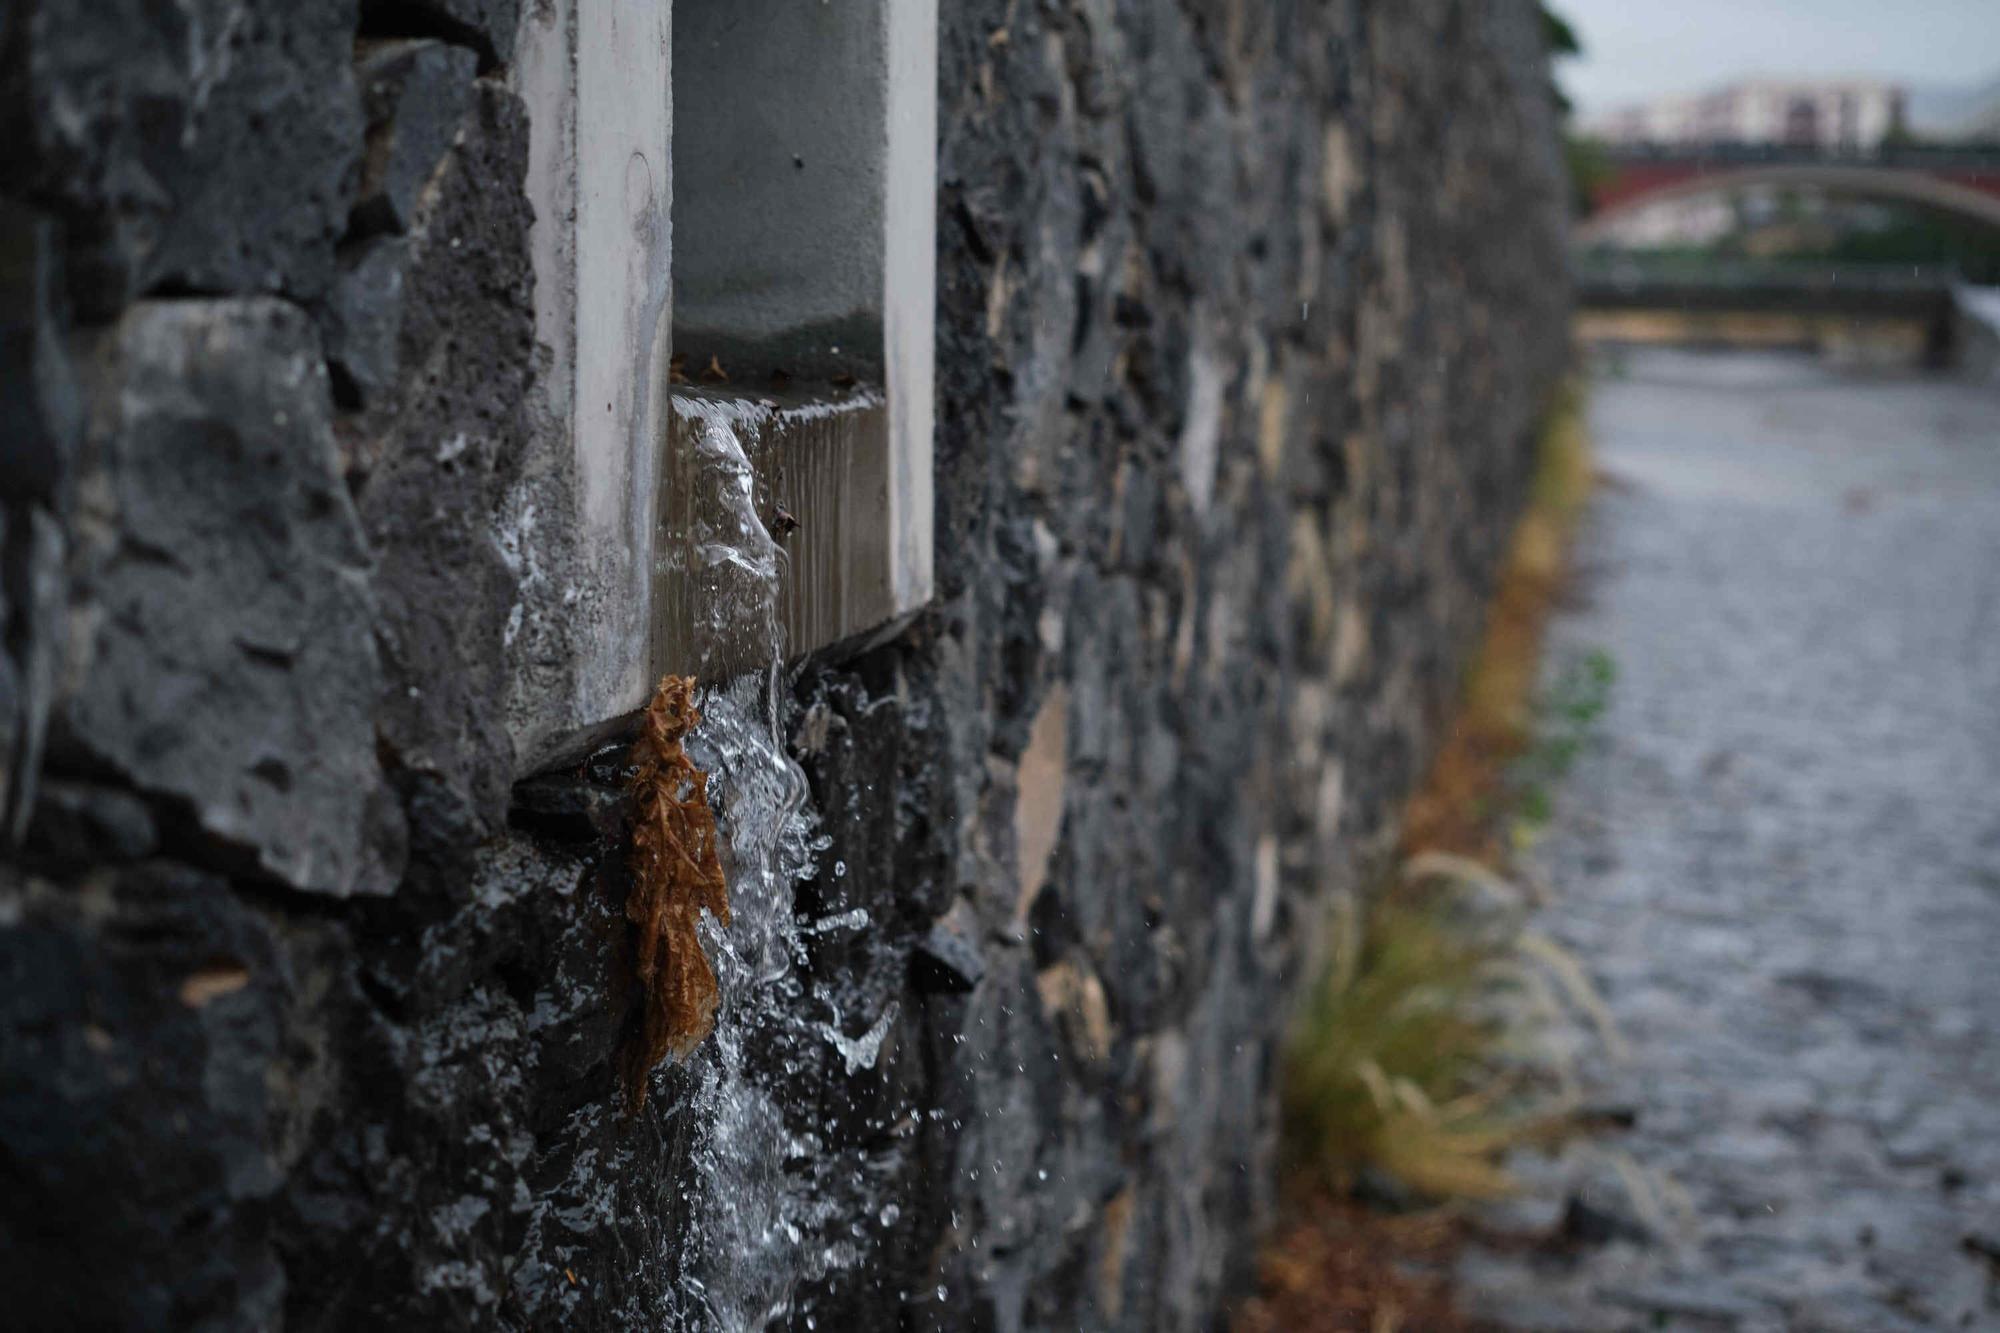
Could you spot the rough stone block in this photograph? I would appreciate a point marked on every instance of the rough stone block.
(569, 809)
(438, 461)
(363, 316)
(230, 656)
(142, 1032)
(194, 144)
(42, 418)
(486, 26)
(38, 398)
(31, 569)
(413, 94)
(11, 712)
(76, 824)
(946, 960)
(267, 175)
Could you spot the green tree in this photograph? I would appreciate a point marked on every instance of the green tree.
(1583, 156)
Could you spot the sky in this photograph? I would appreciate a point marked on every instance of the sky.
(1635, 50)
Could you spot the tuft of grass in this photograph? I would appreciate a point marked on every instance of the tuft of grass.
(1413, 1055)
(1416, 1054)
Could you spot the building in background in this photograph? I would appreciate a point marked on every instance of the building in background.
(1853, 115)
(1963, 114)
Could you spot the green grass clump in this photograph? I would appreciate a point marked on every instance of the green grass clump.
(1567, 716)
(1410, 1056)
(1418, 1053)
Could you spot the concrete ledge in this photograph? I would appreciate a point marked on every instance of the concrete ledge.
(819, 478)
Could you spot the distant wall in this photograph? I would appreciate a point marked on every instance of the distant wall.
(1975, 331)
(309, 993)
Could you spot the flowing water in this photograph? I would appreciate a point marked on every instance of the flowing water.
(762, 1217)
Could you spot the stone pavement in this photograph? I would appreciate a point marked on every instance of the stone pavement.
(1781, 861)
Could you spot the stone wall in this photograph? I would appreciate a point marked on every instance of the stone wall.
(310, 997)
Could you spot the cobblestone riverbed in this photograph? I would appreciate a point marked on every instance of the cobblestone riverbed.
(1780, 862)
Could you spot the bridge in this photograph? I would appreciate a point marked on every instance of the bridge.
(1963, 181)
(1926, 310)
(1701, 283)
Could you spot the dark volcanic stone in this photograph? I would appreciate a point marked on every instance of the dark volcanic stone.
(1592, 1222)
(43, 417)
(137, 1130)
(32, 552)
(413, 94)
(569, 808)
(486, 26)
(38, 396)
(232, 663)
(77, 824)
(946, 960)
(1245, 314)
(203, 145)
(12, 720)
(267, 183)
(363, 319)
(437, 468)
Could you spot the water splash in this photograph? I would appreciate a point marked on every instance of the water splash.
(852, 919)
(761, 1221)
(863, 1051)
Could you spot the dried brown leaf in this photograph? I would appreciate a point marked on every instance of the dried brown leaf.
(676, 873)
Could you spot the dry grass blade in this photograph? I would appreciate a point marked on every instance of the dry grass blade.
(676, 874)
(1576, 984)
(1466, 873)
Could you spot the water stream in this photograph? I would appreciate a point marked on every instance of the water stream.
(762, 1221)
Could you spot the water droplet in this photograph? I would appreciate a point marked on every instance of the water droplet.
(840, 870)
(890, 1212)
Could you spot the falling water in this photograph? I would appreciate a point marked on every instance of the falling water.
(761, 1223)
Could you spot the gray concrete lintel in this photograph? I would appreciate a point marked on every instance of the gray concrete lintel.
(596, 77)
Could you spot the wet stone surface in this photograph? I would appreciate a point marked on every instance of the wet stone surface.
(1781, 861)
(314, 961)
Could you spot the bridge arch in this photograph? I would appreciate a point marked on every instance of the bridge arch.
(1907, 186)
